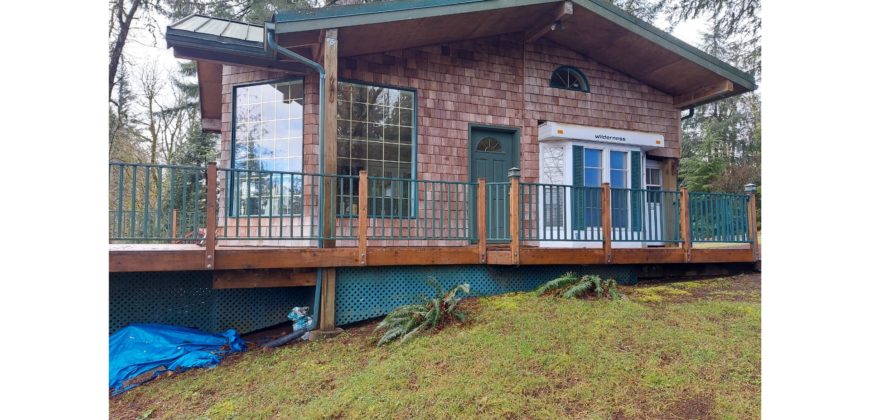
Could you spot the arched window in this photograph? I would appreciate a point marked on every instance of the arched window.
(570, 78)
(489, 144)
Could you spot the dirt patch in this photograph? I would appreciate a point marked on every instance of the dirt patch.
(740, 288)
(694, 407)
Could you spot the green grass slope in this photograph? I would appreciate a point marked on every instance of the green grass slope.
(670, 350)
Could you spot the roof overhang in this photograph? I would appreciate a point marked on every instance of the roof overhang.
(212, 42)
(593, 28)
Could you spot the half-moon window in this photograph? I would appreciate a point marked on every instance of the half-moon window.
(489, 144)
(570, 78)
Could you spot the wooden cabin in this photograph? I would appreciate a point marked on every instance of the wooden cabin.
(365, 148)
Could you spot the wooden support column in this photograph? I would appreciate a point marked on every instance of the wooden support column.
(685, 226)
(606, 223)
(330, 132)
(753, 226)
(514, 176)
(363, 216)
(670, 215)
(481, 219)
(210, 214)
(327, 300)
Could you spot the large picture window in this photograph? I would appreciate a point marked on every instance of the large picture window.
(376, 134)
(267, 136)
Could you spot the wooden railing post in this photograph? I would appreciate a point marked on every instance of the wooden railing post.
(606, 229)
(685, 225)
(210, 214)
(481, 219)
(514, 176)
(752, 216)
(363, 216)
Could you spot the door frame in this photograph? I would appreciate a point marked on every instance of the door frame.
(515, 139)
(514, 131)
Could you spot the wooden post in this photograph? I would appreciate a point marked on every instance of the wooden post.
(363, 215)
(514, 176)
(481, 219)
(753, 226)
(210, 214)
(327, 300)
(685, 226)
(605, 222)
(330, 133)
(670, 217)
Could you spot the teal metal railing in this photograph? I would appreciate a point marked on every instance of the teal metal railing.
(719, 217)
(260, 204)
(405, 209)
(640, 215)
(156, 203)
(553, 212)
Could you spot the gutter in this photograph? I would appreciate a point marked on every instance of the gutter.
(271, 46)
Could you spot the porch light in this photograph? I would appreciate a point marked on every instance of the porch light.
(750, 188)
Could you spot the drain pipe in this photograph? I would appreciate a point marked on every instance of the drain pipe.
(271, 45)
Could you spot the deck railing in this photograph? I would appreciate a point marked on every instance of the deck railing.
(719, 217)
(156, 203)
(643, 215)
(551, 212)
(182, 204)
(422, 210)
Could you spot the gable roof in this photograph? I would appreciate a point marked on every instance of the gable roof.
(595, 28)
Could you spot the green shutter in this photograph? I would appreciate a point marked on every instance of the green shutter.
(577, 182)
(637, 195)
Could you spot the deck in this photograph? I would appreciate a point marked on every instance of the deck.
(159, 217)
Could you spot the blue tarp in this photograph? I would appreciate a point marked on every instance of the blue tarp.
(143, 348)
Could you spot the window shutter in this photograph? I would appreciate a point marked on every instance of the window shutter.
(577, 182)
(636, 196)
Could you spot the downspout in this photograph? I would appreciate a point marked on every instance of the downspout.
(271, 45)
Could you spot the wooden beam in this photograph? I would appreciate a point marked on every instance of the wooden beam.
(228, 259)
(316, 47)
(481, 219)
(130, 258)
(363, 216)
(211, 125)
(249, 279)
(685, 227)
(327, 300)
(704, 94)
(210, 214)
(605, 222)
(515, 219)
(536, 32)
(448, 255)
(330, 132)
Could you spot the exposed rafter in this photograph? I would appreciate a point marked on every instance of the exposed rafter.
(704, 94)
(541, 29)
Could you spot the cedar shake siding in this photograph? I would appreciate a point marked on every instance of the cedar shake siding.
(491, 81)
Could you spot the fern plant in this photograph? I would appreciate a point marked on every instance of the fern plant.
(407, 321)
(571, 285)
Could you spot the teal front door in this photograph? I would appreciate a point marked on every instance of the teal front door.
(492, 155)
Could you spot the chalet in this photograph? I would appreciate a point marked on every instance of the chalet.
(366, 148)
